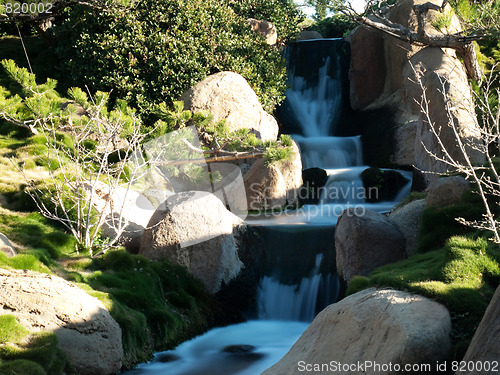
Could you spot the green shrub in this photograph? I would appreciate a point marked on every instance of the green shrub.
(155, 51)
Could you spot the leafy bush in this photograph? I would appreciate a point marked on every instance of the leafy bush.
(154, 51)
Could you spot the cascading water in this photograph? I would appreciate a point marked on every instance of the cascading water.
(296, 274)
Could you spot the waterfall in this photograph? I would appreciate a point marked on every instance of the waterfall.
(293, 302)
(297, 269)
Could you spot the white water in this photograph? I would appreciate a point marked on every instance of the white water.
(292, 302)
(205, 354)
(316, 105)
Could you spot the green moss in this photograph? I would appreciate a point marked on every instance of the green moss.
(40, 351)
(357, 284)
(439, 223)
(21, 366)
(34, 231)
(10, 329)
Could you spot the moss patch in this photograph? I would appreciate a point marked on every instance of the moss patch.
(24, 353)
(462, 275)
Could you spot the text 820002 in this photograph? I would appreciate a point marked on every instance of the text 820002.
(16, 7)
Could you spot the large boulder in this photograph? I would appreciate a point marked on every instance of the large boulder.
(484, 350)
(265, 187)
(404, 141)
(407, 219)
(195, 230)
(371, 327)
(446, 191)
(309, 35)
(269, 186)
(87, 334)
(291, 170)
(126, 213)
(365, 240)
(228, 96)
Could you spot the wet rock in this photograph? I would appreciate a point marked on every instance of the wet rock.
(313, 181)
(237, 349)
(382, 185)
(365, 240)
(167, 357)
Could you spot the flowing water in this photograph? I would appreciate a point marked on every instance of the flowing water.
(297, 274)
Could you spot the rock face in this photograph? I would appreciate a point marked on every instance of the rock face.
(404, 139)
(484, 346)
(265, 187)
(365, 240)
(383, 72)
(264, 28)
(378, 326)
(6, 246)
(446, 84)
(407, 220)
(446, 191)
(86, 332)
(195, 230)
(274, 185)
(227, 95)
(367, 72)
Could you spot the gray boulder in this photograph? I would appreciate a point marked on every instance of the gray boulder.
(228, 96)
(365, 240)
(195, 230)
(407, 220)
(87, 334)
(446, 191)
(484, 349)
(373, 326)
